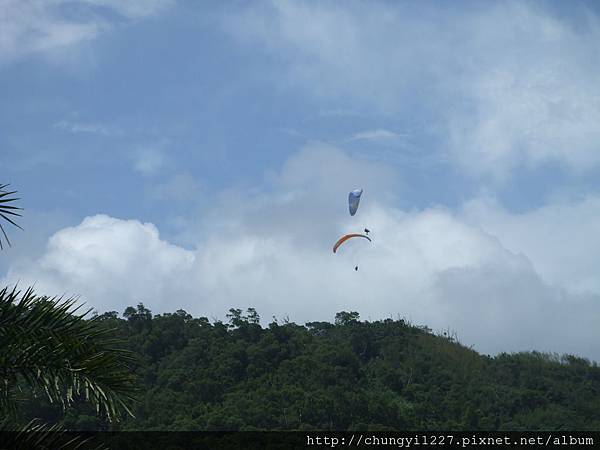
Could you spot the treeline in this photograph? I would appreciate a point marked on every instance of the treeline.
(194, 374)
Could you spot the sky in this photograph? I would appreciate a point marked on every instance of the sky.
(198, 156)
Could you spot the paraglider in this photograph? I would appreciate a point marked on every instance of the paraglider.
(345, 237)
(353, 200)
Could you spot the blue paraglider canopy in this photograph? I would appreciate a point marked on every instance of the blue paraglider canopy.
(353, 200)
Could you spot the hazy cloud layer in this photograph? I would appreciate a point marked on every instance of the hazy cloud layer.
(375, 135)
(511, 85)
(560, 238)
(271, 249)
(84, 127)
(148, 161)
(39, 26)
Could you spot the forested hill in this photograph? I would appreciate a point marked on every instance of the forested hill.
(198, 375)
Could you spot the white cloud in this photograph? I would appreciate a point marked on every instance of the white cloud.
(110, 262)
(375, 135)
(561, 238)
(35, 26)
(84, 127)
(272, 250)
(512, 85)
(534, 104)
(41, 26)
(148, 161)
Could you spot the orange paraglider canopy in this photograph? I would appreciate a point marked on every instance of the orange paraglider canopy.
(345, 237)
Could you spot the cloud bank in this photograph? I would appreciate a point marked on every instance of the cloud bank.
(271, 249)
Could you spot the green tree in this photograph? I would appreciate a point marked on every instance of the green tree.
(344, 317)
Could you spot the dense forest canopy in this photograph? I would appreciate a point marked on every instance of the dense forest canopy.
(195, 374)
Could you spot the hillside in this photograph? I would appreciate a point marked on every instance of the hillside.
(351, 374)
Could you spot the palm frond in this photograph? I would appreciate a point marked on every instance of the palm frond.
(48, 344)
(6, 210)
(37, 434)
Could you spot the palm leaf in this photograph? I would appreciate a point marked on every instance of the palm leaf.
(6, 210)
(37, 434)
(49, 345)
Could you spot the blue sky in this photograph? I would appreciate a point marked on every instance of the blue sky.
(198, 155)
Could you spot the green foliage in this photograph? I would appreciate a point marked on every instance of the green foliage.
(47, 347)
(349, 375)
(344, 318)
